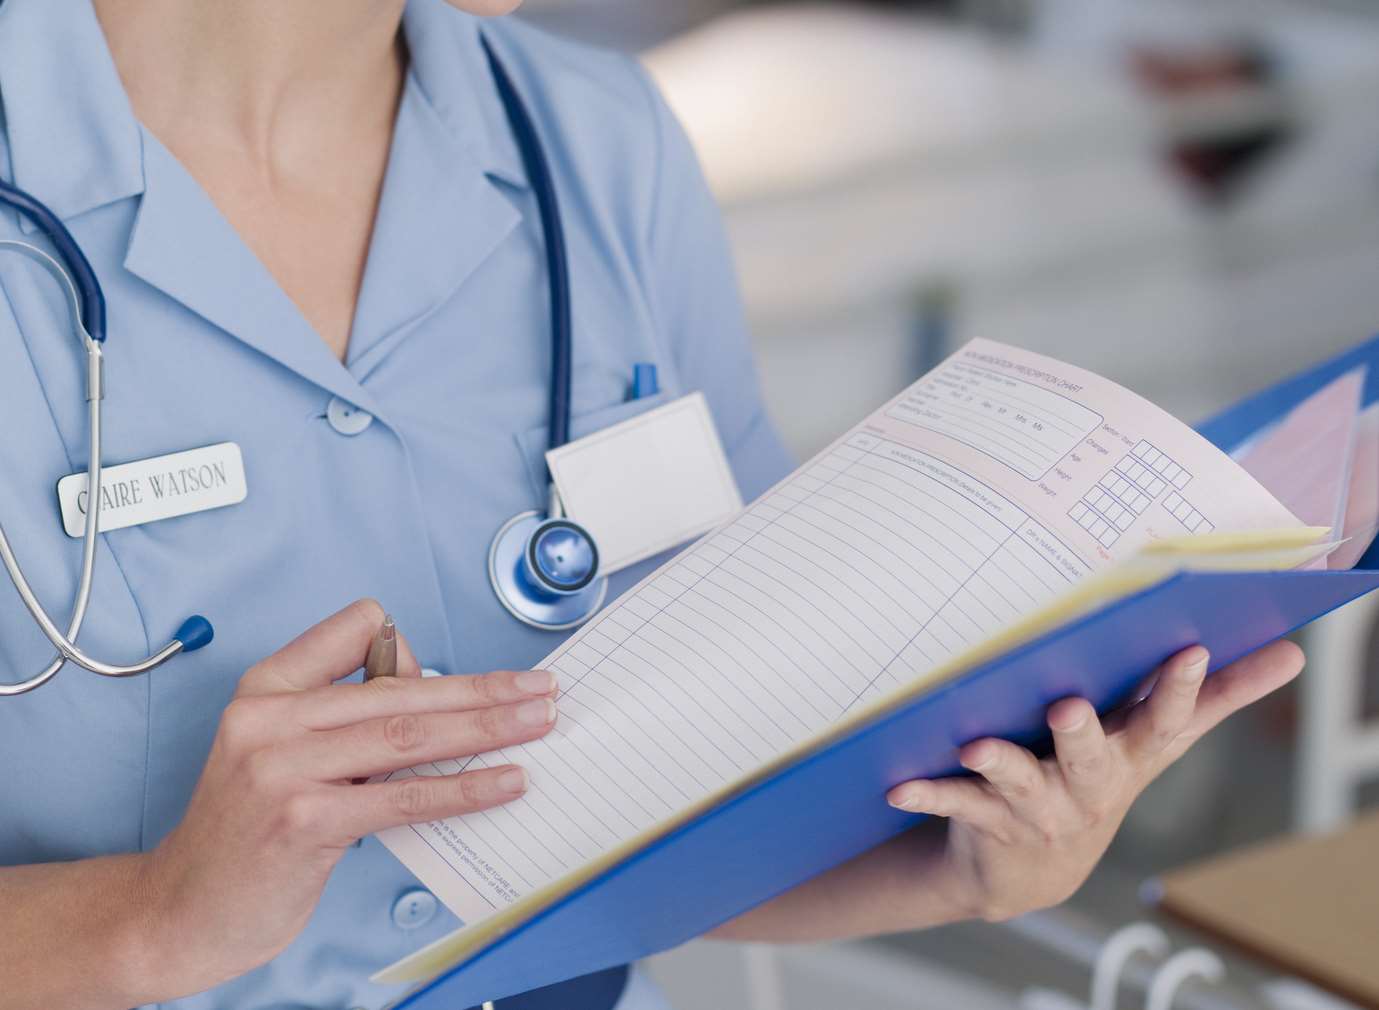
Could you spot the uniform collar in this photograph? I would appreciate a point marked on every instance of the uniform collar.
(75, 143)
(452, 72)
(441, 214)
(72, 136)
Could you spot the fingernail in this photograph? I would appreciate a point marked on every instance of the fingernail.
(908, 799)
(1077, 723)
(980, 763)
(536, 681)
(536, 713)
(1197, 669)
(513, 781)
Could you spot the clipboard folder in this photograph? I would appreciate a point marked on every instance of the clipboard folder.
(828, 807)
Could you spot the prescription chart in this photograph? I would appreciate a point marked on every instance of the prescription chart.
(973, 498)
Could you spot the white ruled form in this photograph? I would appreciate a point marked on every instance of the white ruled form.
(956, 509)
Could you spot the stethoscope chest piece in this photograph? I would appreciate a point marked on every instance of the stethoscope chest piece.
(545, 571)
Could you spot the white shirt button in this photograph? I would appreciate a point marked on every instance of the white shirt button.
(346, 418)
(414, 909)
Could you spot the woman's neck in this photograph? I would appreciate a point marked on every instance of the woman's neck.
(282, 110)
(278, 83)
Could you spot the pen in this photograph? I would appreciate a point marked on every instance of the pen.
(382, 658)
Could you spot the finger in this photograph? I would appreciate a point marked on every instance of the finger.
(1081, 749)
(1011, 770)
(345, 704)
(1244, 682)
(385, 745)
(964, 800)
(324, 653)
(1155, 723)
(364, 809)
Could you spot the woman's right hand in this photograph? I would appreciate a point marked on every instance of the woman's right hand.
(276, 806)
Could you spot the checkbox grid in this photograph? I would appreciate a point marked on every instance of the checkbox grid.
(1154, 467)
(1192, 520)
(1124, 492)
(1109, 508)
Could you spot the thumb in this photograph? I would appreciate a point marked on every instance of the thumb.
(322, 654)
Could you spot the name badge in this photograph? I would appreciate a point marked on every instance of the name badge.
(648, 483)
(157, 488)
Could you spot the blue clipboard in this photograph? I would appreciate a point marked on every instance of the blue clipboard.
(778, 834)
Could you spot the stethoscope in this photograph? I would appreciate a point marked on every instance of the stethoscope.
(544, 567)
(86, 301)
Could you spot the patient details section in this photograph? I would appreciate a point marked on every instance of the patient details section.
(972, 499)
(1105, 469)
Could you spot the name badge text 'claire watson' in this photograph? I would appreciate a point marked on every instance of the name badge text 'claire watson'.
(160, 487)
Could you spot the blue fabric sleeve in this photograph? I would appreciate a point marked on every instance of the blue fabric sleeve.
(695, 295)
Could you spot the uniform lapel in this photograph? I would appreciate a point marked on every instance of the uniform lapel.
(439, 218)
(73, 140)
(446, 206)
(183, 246)
(447, 202)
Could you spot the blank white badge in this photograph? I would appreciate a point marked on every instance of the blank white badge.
(648, 483)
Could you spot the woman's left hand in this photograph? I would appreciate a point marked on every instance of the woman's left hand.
(1024, 833)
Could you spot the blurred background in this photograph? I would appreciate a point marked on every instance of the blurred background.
(1182, 195)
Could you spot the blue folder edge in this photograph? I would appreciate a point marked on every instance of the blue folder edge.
(830, 806)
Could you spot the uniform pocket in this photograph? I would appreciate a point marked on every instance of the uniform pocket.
(532, 443)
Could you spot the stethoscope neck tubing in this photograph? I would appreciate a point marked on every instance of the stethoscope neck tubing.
(88, 567)
(544, 568)
(83, 276)
(557, 268)
(195, 632)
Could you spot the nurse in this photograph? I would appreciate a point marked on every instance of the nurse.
(318, 241)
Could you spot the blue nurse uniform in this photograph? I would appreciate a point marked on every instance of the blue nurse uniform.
(383, 476)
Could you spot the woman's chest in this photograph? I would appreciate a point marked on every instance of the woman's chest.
(386, 478)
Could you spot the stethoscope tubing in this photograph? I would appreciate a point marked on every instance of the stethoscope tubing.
(557, 259)
(196, 630)
(548, 607)
(82, 597)
(91, 300)
(83, 594)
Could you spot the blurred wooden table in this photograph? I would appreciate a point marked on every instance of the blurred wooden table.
(1308, 905)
